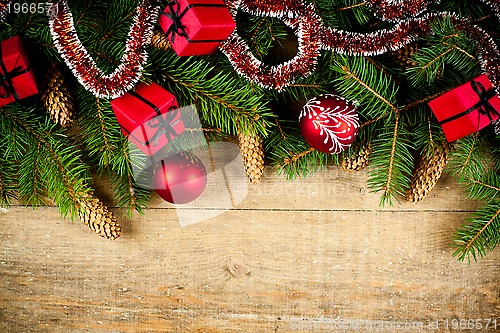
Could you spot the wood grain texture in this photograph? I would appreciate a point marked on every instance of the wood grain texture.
(292, 257)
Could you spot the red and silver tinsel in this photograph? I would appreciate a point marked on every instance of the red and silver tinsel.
(299, 16)
(4, 8)
(411, 23)
(84, 67)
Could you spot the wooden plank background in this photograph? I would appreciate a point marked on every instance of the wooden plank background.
(300, 256)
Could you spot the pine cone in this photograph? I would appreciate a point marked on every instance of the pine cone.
(98, 218)
(56, 97)
(405, 53)
(427, 173)
(252, 152)
(358, 161)
(160, 41)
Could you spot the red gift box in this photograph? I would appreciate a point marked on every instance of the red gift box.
(149, 116)
(467, 108)
(196, 27)
(17, 80)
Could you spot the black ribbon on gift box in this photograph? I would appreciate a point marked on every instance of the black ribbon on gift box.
(6, 77)
(165, 125)
(483, 106)
(177, 27)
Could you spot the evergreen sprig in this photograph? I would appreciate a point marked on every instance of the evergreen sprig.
(291, 155)
(360, 81)
(223, 101)
(107, 149)
(470, 165)
(51, 163)
(392, 160)
(481, 234)
(447, 49)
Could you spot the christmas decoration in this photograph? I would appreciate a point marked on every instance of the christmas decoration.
(405, 54)
(4, 7)
(496, 126)
(337, 49)
(196, 27)
(329, 123)
(149, 116)
(359, 160)
(57, 98)
(467, 108)
(85, 69)
(427, 173)
(300, 17)
(252, 152)
(160, 41)
(98, 217)
(17, 80)
(180, 178)
(396, 11)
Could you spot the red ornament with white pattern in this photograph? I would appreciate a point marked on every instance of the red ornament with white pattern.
(329, 123)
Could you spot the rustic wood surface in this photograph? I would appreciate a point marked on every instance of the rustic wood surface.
(312, 255)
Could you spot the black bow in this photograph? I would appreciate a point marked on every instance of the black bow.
(165, 126)
(176, 16)
(483, 106)
(177, 27)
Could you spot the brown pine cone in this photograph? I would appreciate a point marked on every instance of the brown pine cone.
(405, 53)
(252, 152)
(160, 41)
(56, 97)
(427, 173)
(98, 218)
(359, 160)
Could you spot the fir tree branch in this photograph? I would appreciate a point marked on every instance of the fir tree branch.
(387, 187)
(352, 6)
(295, 157)
(8, 176)
(467, 159)
(362, 82)
(367, 87)
(222, 101)
(292, 156)
(481, 235)
(392, 161)
(64, 176)
(108, 150)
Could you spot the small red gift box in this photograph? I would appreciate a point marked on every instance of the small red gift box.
(17, 79)
(196, 27)
(149, 116)
(467, 108)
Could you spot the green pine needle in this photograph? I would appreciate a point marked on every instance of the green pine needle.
(480, 235)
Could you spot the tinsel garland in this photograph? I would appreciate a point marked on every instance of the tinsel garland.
(394, 11)
(377, 42)
(84, 67)
(4, 7)
(315, 36)
(299, 16)
(495, 5)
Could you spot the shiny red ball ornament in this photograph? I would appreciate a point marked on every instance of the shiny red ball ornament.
(329, 123)
(180, 178)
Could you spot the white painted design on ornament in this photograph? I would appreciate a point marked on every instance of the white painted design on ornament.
(329, 121)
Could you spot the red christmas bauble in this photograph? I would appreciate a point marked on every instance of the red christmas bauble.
(329, 123)
(180, 178)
